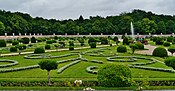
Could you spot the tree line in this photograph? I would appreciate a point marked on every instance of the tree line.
(144, 23)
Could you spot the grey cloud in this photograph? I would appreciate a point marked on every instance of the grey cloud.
(65, 9)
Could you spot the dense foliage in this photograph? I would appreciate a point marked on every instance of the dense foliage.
(113, 75)
(160, 52)
(47, 46)
(3, 43)
(13, 49)
(170, 62)
(144, 22)
(39, 50)
(171, 49)
(122, 49)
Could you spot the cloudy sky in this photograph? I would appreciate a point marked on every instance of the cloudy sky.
(65, 9)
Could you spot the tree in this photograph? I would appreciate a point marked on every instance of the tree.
(2, 28)
(133, 47)
(161, 27)
(48, 65)
(148, 26)
(170, 27)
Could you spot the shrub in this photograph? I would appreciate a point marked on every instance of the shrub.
(116, 38)
(13, 49)
(122, 49)
(92, 44)
(71, 43)
(170, 39)
(104, 41)
(171, 49)
(91, 40)
(33, 40)
(125, 41)
(56, 37)
(47, 46)
(3, 43)
(54, 41)
(166, 44)
(25, 40)
(49, 42)
(81, 40)
(15, 42)
(160, 52)
(21, 47)
(39, 50)
(113, 75)
(170, 61)
(140, 45)
(71, 47)
(159, 41)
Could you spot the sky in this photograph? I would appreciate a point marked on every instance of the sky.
(72, 9)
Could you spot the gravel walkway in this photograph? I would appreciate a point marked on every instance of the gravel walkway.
(149, 51)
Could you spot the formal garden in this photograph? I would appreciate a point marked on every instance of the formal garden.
(86, 63)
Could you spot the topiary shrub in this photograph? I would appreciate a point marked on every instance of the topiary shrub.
(122, 49)
(54, 41)
(172, 50)
(93, 44)
(159, 41)
(125, 41)
(33, 40)
(15, 42)
(39, 50)
(49, 42)
(47, 46)
(25, 40)
(140, 45)
(71, 43)
(104, 41)
(170, 61)
(160, 52)
(3, 43)
(166, 44)
(170, 39)
(71, 47)
(113, 75)
(91, 40)
(13, 49)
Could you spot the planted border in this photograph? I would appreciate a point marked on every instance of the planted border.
(12, 63)
(67, 66)
(41, 56)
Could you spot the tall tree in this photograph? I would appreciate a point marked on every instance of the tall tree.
(161, 27)
(2, 28)
(170, 27)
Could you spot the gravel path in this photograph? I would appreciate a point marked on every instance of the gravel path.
(149, 51)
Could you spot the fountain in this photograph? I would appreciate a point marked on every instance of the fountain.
(132, 31)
